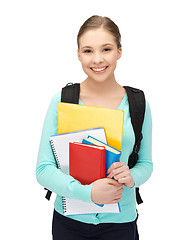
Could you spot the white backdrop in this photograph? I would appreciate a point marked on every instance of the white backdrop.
(38, 57)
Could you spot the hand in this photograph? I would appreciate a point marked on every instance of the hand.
(106, 191)
(120, 172)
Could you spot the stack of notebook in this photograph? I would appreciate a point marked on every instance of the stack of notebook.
(86, 146)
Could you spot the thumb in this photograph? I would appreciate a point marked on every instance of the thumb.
(113, 182)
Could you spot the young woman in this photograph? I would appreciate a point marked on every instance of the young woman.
(99, 49)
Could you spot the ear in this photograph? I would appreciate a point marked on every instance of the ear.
(119, 54)
(78, 53)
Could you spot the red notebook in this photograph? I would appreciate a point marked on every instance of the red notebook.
(87, 163)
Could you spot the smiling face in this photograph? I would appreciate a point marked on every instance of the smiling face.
(98, 54)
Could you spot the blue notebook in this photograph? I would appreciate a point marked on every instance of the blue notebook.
(112, 154)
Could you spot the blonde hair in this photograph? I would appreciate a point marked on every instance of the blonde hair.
(96, 22)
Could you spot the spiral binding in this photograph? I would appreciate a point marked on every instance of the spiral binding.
(55, 153)
(64, 204)
(58, 164)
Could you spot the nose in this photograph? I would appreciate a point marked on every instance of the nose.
(97, 58)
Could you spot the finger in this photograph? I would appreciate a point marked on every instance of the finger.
(113, 182)
(119, 193)
(116, 200)
(111, 168)
(109, 176)
(113, 172)
(124, 174)
(119, 170)
(124, 180)
(115, 165)
(119, 196)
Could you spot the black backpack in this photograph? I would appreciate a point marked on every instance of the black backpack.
(70, 94)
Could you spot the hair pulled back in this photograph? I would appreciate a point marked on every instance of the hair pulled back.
(95, 22)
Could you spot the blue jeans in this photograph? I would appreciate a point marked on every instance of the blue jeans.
(64, 228)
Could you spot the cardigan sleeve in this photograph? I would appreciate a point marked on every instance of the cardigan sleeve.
(143, 169)
(47, 173)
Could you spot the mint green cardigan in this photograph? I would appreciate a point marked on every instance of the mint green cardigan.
(50, 177)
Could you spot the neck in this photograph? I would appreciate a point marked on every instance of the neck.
(100, 88)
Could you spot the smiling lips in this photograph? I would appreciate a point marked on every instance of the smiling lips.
(99, 70)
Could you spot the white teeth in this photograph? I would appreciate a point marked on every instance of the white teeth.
(99, 69)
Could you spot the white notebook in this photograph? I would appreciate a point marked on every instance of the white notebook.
(74, 206)
(60, 144)
(60, 147)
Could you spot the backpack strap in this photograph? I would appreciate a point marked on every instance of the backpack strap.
(136, 100)
(70, 94)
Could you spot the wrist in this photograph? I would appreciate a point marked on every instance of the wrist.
(131, 184)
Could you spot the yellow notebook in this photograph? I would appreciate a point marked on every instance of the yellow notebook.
(75, 117)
